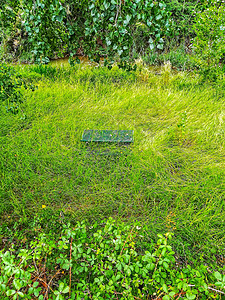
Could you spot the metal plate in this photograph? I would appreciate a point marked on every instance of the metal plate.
(118, 136)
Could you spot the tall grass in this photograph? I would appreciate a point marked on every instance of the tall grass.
(172, 178)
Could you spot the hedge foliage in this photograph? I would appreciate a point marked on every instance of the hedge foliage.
(47, 28)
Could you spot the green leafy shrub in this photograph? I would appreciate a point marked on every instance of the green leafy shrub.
(209, 42)
(10, 27)
(93, 28)
(11, 85)
(182, 17)
(10, 92)
(105, 261)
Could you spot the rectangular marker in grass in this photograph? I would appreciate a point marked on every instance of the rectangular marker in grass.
(118, 136)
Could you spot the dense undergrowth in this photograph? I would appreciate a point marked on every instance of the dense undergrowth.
(119, 31)
(102, 261)
(170, 180)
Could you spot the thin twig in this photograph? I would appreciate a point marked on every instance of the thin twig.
(212, 289)
(126, 240)
(48, 284)
(116, 295)
(89, 293)
(216, 290)
(44, 268)
(36, 266)
(118, 10)
(159, 296)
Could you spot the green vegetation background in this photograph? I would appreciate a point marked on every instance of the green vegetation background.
(172, 179)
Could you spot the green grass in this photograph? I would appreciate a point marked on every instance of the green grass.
(171, 179)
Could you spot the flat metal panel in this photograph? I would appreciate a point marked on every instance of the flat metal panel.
(118, 136)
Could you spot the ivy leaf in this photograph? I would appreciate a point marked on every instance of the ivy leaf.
(158, 17)
(160, 46)
(59, 18)
(151, 43)
(108, 42)
(91, 6)
(106, 5)
(127, 20)
(149, 23)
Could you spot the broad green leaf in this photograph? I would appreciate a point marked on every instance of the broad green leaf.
(17, 284)
(160, 46)
(10, 292)
(61, 286)
(165, 288)
(165, 265)
(35, 284)
(190, 296)
(158, 17)
(36, 293)
(218, 276)
(66, 290)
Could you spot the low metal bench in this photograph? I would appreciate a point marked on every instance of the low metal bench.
(116, 136)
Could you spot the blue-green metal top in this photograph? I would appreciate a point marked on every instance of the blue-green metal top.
(118, 136)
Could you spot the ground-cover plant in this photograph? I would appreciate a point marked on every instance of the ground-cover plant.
(11, 85)
(209, 41)
(171, 178)
(106, 260)
(10, 92)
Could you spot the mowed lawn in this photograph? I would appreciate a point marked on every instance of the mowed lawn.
(172, 178)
